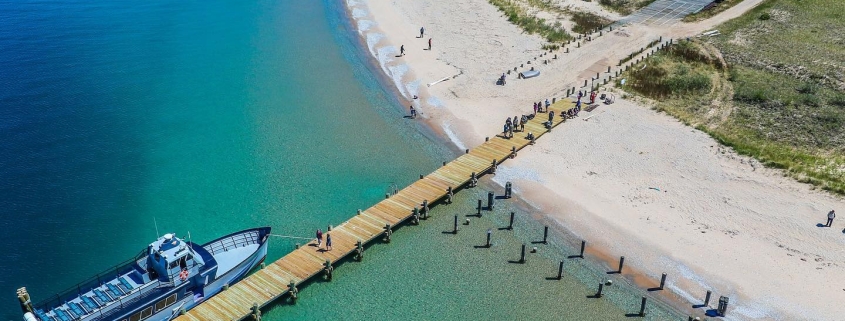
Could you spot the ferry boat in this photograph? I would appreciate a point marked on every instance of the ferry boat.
(169, 277)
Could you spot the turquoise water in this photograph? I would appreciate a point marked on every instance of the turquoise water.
(214, 117)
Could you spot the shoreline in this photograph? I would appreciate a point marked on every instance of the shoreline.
(597, 257)
(745, 209)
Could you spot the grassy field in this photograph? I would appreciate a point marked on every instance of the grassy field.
(777, 92)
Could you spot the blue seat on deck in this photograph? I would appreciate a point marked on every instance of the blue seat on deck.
(103, 297)
(62, 315)
(89, 303)
(114, 290)
(75, 308)
(43, 316)
(126, 286)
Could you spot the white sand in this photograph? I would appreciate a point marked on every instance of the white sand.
(719, 221)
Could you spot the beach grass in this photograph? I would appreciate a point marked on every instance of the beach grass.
(587, 22)
(518, 15)
(624, 7)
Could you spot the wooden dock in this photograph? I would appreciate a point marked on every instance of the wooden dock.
(274, 280)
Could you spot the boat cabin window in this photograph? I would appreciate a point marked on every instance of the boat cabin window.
(161, 305)
(143, 314)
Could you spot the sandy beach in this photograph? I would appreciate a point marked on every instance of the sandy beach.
(632, 181)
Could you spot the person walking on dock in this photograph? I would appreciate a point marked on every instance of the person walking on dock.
(319, 238)
(328, 242)
(830, 216)
(547, 104)
(422, 32)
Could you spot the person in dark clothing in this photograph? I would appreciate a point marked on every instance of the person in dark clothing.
(429, 43)
(830, 216)
(402, 50)
(422, 31)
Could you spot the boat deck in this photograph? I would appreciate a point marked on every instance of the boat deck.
(271, 282)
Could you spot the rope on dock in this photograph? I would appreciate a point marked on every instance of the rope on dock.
(291, 237)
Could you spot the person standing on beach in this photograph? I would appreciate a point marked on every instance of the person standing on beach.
(422, 31)
(328, 242)
(402, 50)
(830, 216)
(319, 238)
(535, 109)
(413, 112)
(429, 43)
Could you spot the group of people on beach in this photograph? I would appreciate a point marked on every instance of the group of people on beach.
(422, 34)
(320, 240)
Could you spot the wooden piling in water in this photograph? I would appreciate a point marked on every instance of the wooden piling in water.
(490, 197)
(489, 235)
(642, 306)
(522, 255)
(478, 208)
(545, 234)
(583, 245)
(455, 229)
(510, 225)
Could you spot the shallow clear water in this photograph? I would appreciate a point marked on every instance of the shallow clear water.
(214, 117)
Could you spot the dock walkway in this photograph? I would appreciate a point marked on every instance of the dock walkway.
(274, 280)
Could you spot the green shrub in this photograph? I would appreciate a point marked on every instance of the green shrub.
(765, 16)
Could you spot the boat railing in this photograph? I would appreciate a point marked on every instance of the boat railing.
(127, 299)
(234, 241)
(89, 284)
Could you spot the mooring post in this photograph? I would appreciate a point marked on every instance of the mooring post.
(508, 189)
(490, 197)
(585, 82)
(421, 176)
(621, 262)
(513, 152)
(723, 306)
(455, 230)
(522, 256)
(583, 245)
(416, 217)
(328, 269)
(425, 209)
(662, 281)
(478, 209)
(510, 225)
(707, 298)
(545, 234)
(489, 235)
(256, 312)
(293, 292)
(642, 306)
(608, 69)
(493, 167)
(560, 271)
(601, 287)
(359, 251)
(388, 231)
(466, 151)
(449, 195)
